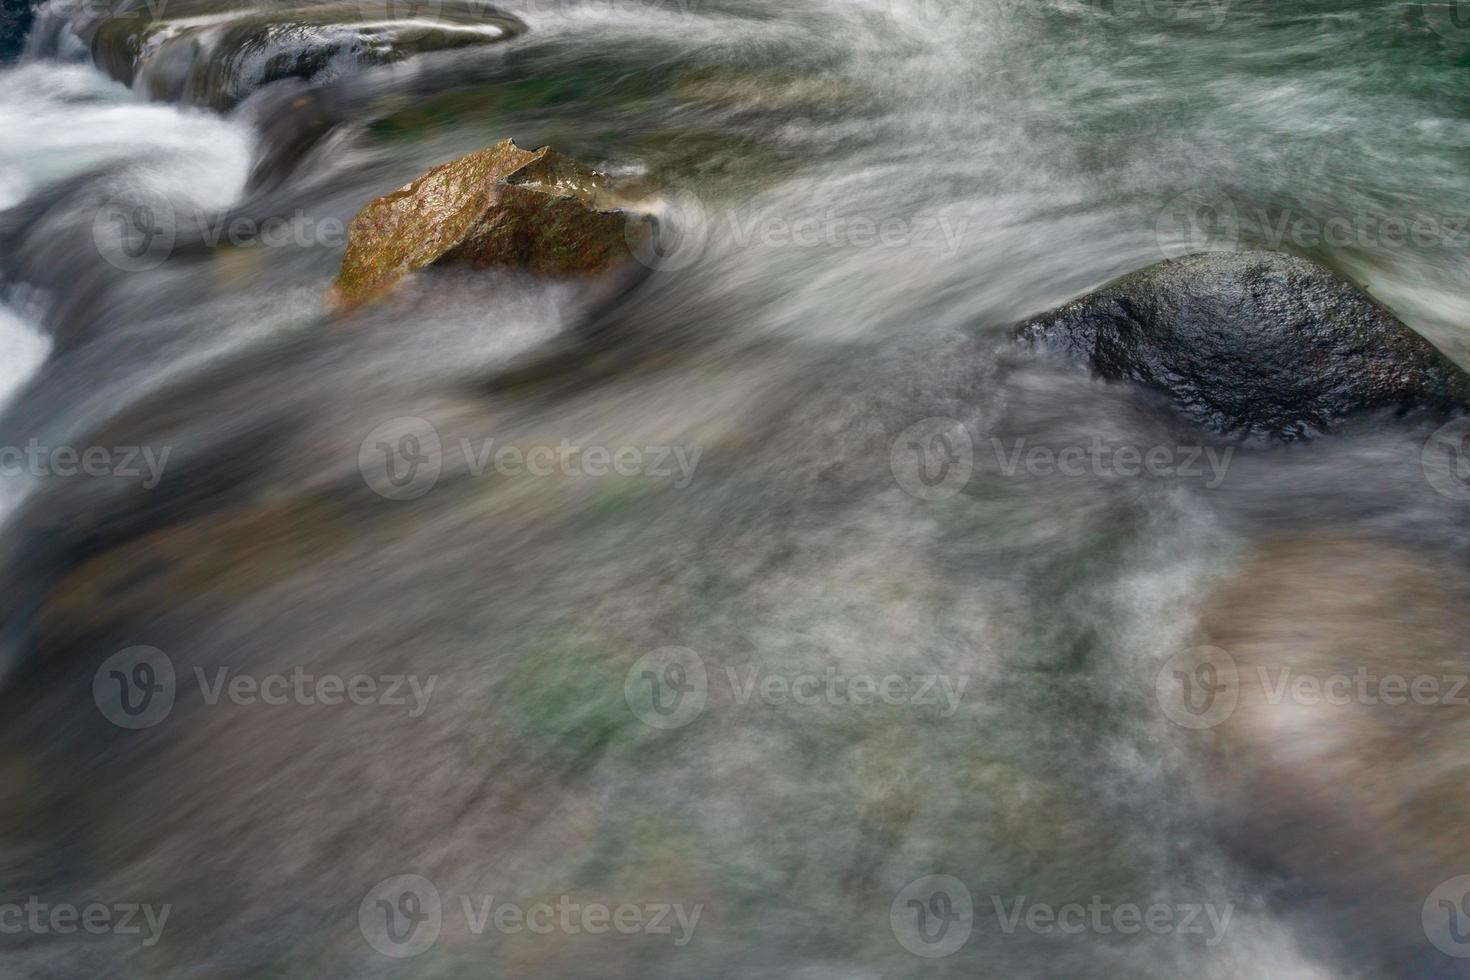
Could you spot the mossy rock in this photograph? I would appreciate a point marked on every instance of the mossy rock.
(500, 206)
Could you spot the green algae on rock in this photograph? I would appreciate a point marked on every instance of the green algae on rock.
(500, 206)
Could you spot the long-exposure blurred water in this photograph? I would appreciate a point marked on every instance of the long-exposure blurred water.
(870, 196)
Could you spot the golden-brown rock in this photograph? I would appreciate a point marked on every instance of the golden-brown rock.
(500, 206)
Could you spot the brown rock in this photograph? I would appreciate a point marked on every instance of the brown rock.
(500, 206)
(1347, 743)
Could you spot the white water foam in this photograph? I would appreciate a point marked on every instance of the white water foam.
(60, 120)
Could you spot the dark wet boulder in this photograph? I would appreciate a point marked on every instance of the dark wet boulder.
(1253, 344)
(193, 52)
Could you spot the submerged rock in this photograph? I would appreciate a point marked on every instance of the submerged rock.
(1253, 344)
(196, 54)
(500, 206)
(1335, 686)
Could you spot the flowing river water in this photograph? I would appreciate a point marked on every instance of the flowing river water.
(869, 195)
